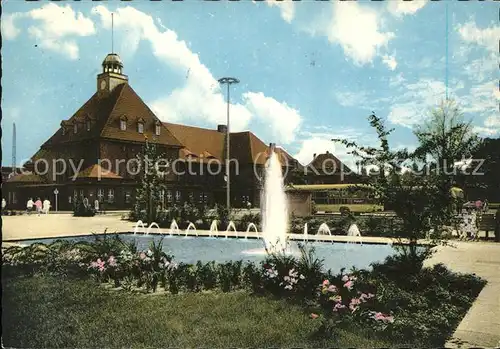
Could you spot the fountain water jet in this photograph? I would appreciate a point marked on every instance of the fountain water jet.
(354, 232)
(324, 229)
(231, 226)
(305, 232)
(275, 210)
(153, 225)
(174, 227)
(251, 225)
(213, 228)
(189, 227)
(137, 226)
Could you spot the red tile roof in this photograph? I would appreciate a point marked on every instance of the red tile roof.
(26, 178)
(328, 161)
(104, 113)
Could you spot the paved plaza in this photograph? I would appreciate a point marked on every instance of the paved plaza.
(479, 328)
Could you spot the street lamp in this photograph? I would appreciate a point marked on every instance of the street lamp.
(228, 81)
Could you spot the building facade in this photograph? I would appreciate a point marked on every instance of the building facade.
(93, 153)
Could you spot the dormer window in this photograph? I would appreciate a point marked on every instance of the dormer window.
(157, 128)
(75, 128)
(123, 123)
(140, 126)
(88, 125)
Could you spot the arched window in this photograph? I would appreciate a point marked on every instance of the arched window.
(88, 124)
(157, 128)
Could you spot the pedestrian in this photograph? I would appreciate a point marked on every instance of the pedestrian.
(85, 202)
(485, 206)
(46, 206)
(497, 225)
(29, 206)
(4, 205)
(96, 205)
(38, 205)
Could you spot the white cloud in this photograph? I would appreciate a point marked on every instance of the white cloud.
(9, 30)
(486, 38)
(410, 107)
(55, 30)
(321, 142)
(283, 119)
(287, 9)
(200, 98)
(399, 8)
(357, 29)
(390, 61)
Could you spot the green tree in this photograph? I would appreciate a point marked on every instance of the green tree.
(151, 182)
(409, 193)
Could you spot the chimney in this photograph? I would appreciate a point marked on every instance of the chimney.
(314, 156)
(327, 152)
(272, 146)
(222, 128)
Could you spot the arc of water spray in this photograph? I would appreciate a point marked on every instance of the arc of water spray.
(153, 225)
(139, 222)
(231, 226)
(251, 225)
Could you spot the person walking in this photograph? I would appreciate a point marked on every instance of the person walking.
(96, 205)
(38, 205)
(4, 205)
(497, 225)
(29, 206)
(46, 206)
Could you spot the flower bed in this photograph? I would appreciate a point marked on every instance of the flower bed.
(420, 306)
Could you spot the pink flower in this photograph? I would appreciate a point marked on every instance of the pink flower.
(100, 265)
(112, 261)
(326, 283)
(314, 316)
(332, 288)
(349, 284)
(345, 278)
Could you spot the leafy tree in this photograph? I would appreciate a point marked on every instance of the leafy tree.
(151, 183)
(410, 194)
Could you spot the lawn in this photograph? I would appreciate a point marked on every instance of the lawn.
(53, 312)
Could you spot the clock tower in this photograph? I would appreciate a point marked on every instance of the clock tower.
(111, 75)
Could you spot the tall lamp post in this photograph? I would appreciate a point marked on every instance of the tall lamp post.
(228, 81)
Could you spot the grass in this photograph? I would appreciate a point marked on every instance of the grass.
(42, 312)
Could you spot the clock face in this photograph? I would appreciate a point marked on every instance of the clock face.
(103, 84)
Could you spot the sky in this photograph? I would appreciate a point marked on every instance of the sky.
(309, 71)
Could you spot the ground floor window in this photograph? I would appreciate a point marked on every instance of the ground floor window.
(81, 193)
(169, 196)
(177, 196)
(191, 197)
(127, 196)
(111, 195)
(100, 194)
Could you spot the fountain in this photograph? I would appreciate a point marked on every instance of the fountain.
(305, 232)
(251, 225)
(191, 226)
(354, 231)
(213, 228)
(231, 226)
(324, 229)
(275, 211)
(137, 226)
(174, 227)
(153, 225)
